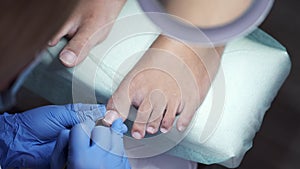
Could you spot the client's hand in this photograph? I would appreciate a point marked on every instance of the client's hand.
(171, 78)
(28, 139)
(101, 148)
(89, 25)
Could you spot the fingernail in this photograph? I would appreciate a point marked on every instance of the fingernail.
(163, 130)
(150, 130)
(111, 116)
(137, 135)
(68, 57)
(181, 128)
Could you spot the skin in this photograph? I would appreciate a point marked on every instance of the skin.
(159, 94)
(157, 90)
(207, 13)
(160, 91)
(85, 21)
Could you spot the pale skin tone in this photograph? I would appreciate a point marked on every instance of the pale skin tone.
(170, 79)
(207, 13)
(86, 20)
(159, 91)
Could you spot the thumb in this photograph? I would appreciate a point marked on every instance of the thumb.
(59, 155)
(87, 111)
(119, 127)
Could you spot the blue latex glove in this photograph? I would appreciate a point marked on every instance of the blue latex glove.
(106, 151)
(27, 139)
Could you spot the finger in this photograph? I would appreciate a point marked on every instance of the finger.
(118, 105)
(87, 111)
(85, 107)
(119, 128)
(72, 114)
(50, 120)
(141, 120)
(117, 147)
(169, 117)
(101, 137)
(59, 155)
(79, 137)
(80, 45)
(185, 117)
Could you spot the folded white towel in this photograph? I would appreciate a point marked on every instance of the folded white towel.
(253, 69)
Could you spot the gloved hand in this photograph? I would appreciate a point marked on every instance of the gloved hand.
(106, 151)
(28, 139)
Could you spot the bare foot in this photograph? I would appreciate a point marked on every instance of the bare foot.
(170, 79)
(89, 25)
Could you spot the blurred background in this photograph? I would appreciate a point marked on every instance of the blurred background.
(277, 144)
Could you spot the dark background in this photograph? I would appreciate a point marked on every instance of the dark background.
(277, 145)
